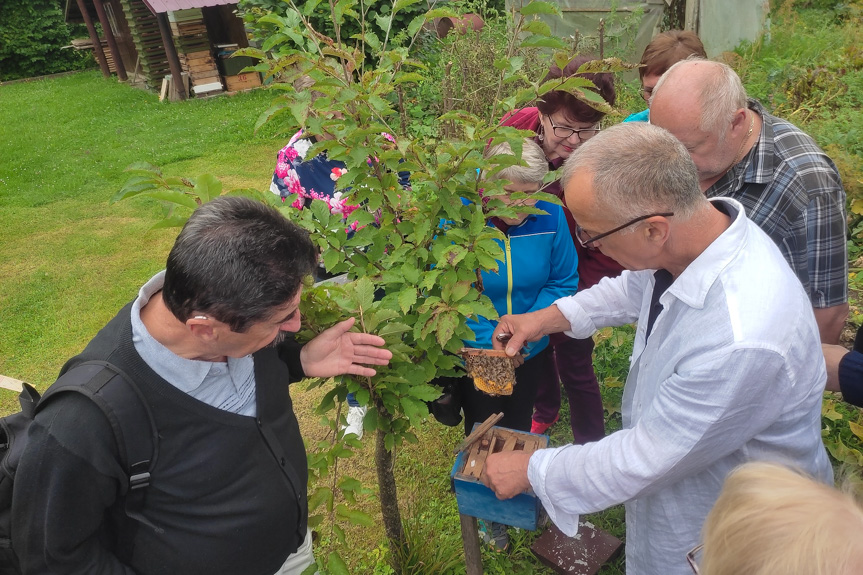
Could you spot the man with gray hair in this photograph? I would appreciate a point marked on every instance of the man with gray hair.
(725, 366)
(785, 182)
(204, 343)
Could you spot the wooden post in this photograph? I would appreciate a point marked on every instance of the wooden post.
(691, 22)
(112, 42)
(171, 52)
(94, 37)
(470, 540)
(11, 383)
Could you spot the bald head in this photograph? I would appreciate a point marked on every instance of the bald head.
(710, 92)
(704, 105)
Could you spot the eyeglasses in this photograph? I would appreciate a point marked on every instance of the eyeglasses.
(646, 93)
(690, 558)
(585, 240)
(564, 132)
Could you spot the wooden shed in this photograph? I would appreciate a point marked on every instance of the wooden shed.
(146, 41)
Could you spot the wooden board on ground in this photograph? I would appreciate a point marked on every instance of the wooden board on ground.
(11, 383)
(583, 554)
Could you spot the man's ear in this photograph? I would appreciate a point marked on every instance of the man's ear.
(657, 229)
(202, 327)
(741, 119)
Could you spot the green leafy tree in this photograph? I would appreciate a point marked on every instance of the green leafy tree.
(32, 36)
(412, 256)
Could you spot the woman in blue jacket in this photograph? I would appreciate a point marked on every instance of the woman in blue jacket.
(539, 266)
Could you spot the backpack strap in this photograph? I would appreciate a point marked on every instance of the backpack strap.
(131, 420)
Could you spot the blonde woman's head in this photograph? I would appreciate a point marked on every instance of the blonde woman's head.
(771, 520)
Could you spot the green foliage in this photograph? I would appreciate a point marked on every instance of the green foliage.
(842, 431)
(431, 547)
(611, 363)
(274, 22)
(466, 71)
(32, 35)
(178, 196)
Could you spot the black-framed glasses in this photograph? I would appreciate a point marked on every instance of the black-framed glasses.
(646, 93)
(691, 558)
(564, 132)
(585, 239)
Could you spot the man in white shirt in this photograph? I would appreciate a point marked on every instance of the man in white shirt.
(726, 365)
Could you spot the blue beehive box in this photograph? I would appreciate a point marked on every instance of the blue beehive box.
(477, 500)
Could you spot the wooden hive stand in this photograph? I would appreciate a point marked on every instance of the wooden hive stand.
(476, 500)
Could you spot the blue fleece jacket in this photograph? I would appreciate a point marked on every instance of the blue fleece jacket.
(539, 267)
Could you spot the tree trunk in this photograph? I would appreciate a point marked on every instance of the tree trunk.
(389, 497)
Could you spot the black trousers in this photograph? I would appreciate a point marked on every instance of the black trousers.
(517, 408)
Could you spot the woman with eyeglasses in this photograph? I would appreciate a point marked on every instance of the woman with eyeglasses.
(665, 50)
(561, 123)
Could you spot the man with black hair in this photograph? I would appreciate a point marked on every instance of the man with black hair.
(205, 343)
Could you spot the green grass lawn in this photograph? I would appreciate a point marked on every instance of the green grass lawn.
(68, 260)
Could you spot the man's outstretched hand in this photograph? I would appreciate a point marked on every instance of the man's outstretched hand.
(338, 351)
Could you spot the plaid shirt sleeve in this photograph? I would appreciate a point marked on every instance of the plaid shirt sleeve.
(792, 190)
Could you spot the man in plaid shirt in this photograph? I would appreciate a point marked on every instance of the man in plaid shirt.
(786, 183)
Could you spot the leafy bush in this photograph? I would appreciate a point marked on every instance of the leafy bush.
(32, 35)
(275, 24)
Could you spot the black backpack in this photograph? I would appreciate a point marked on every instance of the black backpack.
(131, 420)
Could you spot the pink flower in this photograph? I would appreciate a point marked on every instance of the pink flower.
(282, 168)
(291, 154)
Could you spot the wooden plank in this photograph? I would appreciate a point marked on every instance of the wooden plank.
(530, 444)
(202, 68)
(583, 554)
(11, 383)
(205, 77)
(166, 82)
(199, 62)
(479, 431)
(478, 465)
(470, 462)
(198, 54)
(509, 443)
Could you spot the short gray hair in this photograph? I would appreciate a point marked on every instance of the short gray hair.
(638, 169)
(531, 154)
(721, 94)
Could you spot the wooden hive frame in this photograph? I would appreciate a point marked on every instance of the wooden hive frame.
(496, 440)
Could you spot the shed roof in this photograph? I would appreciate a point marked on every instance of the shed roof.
(160, 6)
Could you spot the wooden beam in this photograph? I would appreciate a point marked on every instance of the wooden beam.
(94, 37)
(11, 383)
(691, 18)
(112, 42)
(171, 52)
